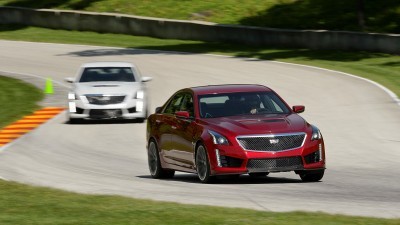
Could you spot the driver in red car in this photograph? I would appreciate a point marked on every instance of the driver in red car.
(252, 103)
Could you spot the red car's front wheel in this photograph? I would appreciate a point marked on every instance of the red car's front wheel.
(312, 176)
(203, 165)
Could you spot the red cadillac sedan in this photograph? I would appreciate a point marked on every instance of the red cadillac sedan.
(231, 130)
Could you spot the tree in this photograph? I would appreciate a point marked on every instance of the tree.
(361, 14)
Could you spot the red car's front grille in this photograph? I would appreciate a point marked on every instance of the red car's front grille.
(277, 142)
(277, 165)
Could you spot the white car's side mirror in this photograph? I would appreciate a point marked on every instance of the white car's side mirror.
(145, 79)
(69, 79)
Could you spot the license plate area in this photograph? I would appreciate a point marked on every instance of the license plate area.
(105, 113)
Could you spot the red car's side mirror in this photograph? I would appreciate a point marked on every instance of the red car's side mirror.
(182, 114)
(158, 109)
(298, 108)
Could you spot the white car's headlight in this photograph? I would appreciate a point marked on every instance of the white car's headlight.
(71, 103)
(72, 96)
(218, 139)
(139, 94)
(139, 106)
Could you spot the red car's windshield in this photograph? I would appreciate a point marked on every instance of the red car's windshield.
(241, 103)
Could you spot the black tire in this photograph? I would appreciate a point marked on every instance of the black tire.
(74, 121)
(156, 171)
(203, 165)
(259, 174)
(140, 120)
(312, 176)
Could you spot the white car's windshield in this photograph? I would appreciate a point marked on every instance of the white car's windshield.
(242, 103)
(95, 74)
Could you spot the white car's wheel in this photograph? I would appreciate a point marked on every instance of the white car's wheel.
(74, 121)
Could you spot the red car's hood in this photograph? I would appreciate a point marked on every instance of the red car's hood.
(258, 124)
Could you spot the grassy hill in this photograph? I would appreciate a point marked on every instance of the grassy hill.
(17, 99)
(373, 16)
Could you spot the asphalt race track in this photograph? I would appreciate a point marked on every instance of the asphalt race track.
(360, 123)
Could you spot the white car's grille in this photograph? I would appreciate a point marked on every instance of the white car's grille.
(277, 142)
(105, 113)
(104, 99)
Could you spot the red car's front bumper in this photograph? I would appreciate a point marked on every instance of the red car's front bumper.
(232, 159)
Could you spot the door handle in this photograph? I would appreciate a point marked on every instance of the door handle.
(173, 127)
(158, 121)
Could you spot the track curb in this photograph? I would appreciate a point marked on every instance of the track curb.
(26, 124)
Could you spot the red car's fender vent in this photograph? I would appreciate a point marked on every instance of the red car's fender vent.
(313, 157)
(275, 165)
(227, 161)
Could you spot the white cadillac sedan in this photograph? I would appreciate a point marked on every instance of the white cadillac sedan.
(108, 90)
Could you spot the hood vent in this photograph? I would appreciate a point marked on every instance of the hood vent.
(273, 120)
(258, 121)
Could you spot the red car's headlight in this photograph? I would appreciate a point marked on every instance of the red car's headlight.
(316, 134)
(218, 139)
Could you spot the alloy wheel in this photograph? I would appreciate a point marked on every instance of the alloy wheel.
(203, 166)
(153, 158)
(201, 163)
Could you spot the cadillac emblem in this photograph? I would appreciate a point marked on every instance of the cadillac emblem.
(273, 141)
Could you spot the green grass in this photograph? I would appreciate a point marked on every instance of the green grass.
(380, 16)
(21, 204)
(17, 99)
(379, 67)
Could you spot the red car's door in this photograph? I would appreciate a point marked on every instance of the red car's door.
(167, 127)
(183, 134)
(165, 132)
(182, 142)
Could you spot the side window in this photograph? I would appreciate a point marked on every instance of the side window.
(187, 104)
(174, 104)
(273, 104)
(277, 107)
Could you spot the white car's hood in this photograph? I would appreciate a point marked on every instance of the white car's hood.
(107, 88)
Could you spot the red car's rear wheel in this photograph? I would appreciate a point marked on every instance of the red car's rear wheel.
(155, 168)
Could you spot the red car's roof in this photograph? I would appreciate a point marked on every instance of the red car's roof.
(228, 88)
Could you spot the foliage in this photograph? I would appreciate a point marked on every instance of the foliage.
(380, 16)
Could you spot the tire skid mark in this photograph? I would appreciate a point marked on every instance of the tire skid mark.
(27, 123)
